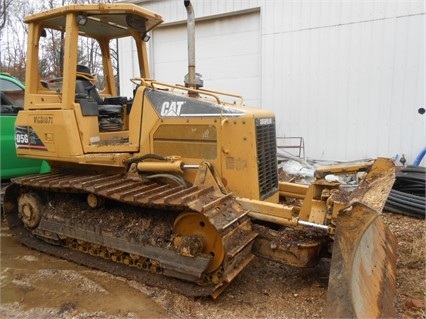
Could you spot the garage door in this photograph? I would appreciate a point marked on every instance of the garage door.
(228, 54)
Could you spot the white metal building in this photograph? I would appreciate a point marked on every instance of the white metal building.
(347, 76)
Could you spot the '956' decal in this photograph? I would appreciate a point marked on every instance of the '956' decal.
(26, 138)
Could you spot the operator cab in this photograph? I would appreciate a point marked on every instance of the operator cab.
(90, 42)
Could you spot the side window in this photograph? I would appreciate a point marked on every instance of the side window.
(12, 97)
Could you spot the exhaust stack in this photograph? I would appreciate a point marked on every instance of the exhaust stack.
(192, 80)
(191, 43)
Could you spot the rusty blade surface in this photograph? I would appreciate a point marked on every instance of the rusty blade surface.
(375, 188)
(362, 281)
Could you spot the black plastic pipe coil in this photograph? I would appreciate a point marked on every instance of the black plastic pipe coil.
(407, 196)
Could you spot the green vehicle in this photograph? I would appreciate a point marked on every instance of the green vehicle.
(12, 101)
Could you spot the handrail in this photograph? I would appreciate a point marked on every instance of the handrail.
(152, 83)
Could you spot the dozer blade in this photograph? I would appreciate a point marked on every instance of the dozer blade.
(375, 188)
(362, 281)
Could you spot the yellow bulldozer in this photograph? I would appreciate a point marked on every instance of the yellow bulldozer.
(177, 186)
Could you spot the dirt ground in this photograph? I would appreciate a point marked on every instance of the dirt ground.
(34, 285)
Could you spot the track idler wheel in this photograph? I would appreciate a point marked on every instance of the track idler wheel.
(195, 230)
(30, 209)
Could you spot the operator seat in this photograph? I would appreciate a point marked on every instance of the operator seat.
(110, 115)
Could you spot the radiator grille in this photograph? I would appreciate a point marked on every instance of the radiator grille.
(267, 155)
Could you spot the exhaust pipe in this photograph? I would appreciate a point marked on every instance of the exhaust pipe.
(192, 80)
(191, 44)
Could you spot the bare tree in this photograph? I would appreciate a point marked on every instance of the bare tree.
(13, 44)
(4, 6)
(13, 37)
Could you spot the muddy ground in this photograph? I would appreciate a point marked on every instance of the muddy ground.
(34, 285)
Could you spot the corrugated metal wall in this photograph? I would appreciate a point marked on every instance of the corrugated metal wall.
(348, 76)
(228, 62)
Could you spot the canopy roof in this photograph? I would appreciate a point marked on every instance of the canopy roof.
(103, 20)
